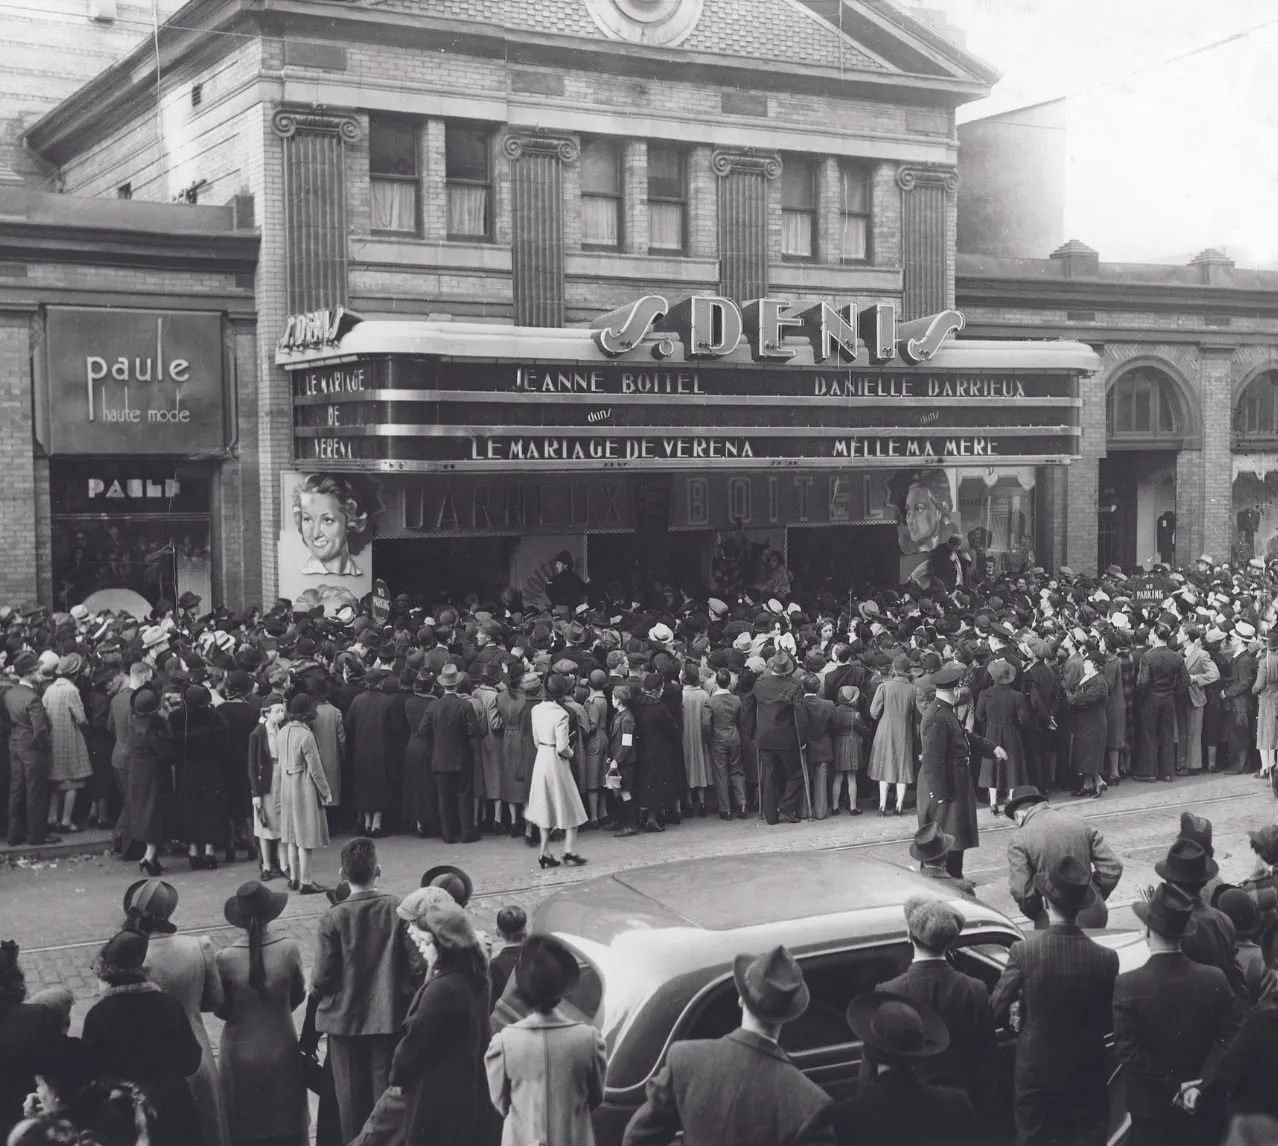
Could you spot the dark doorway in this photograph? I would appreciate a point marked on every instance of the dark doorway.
(442, 568)
(1136, 510)
(834, 558)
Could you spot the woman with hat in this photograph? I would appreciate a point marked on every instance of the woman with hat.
(439, 1061)
(1090, 731)
(182, 966)
(553, 799)
(201, 749)
(1004, 713)
(1266, 688)
(137, 1033)
(265, 784)
(892, 1104)
(304, 792)
(546, 1072)
(148, 796)
(70, 768)
(523, 689)
(263, 1087)
(892, 753)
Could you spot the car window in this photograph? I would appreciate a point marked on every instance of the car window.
(983, 958)
(833, 981)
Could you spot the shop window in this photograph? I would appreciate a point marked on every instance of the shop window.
(1256, 414)
(667, 198)
(1143, 404)
(996, 519)
(854, 200)
(469, 179)
(393, 174)
(798, 207)
(601, 193)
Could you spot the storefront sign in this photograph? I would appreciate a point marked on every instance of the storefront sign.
(131, 382)
(709, 326)
(743, 500)
(456, 506)
(316, 329)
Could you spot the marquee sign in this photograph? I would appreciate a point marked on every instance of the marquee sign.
(701, 383)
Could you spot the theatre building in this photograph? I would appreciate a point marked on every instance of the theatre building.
(667, 443)
(538, 163)
(1178, 450)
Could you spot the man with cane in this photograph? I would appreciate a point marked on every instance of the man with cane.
(777, 722)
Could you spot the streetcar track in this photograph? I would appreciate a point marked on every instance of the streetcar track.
(854, 845)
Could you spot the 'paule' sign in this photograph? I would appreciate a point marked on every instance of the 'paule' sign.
(133, 382)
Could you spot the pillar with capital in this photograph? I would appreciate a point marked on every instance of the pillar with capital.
(927, 237)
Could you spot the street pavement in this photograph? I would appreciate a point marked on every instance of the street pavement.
(61, 909)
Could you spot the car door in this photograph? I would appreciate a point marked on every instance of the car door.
(983, 955)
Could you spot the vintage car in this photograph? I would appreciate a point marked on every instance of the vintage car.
(656, 945)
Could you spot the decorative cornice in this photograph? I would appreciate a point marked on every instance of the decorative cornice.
(909, 176)
(541, 142)
(725, 161)
(287, 122)
(23, 241)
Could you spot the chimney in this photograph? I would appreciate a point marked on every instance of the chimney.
(1078, 259)
(1214, 267)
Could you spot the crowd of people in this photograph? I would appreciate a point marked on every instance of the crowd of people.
(258, 734)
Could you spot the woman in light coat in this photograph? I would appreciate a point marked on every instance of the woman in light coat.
(1266, 688)
(892, 754)
(329, 730)
(183, 966)
(696, 724)
(304, 792)
(546, 1072)
(70, 768)
(553, 799)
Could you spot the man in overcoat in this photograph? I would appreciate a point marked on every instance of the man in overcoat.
(1173, 1019)
(1044, 836)
(24, 721)
(451, 728)
(945, 794)
(1063, 984)
(741, 1089)
(776, 721)
(1236, 696)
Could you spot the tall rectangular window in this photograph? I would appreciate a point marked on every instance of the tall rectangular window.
(393, 174)
(601, 189)
(468, 174)
(667, 199)
(854, 199)
(798, 207)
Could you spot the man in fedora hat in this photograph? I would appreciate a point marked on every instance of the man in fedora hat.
(900, 1036)
(776, 720)
(1173, 1019)
(740, 1089)
(962, 1001)
(450, 728)
(1044, 836)
(23, 717)
(1064, 985)
(930, 847)
(1212, 941)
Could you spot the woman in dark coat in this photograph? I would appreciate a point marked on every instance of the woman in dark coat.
(1087, 702)
(368, 734)
(239, 718)
(658, 752)
(149, 798)
(202, 756)
(101, 742)
(398, 732)
(137, 1033)
(439, 1063)
(1005, 714)
(520, 694)
(421, 803)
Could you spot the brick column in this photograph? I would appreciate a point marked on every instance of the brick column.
(829, 212)
(885, 224)
(434, 172)
(634, 228)
(703, 205)
(18, 510)
(1082, 481)
(1216, 387)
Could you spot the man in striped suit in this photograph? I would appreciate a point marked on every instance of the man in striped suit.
(1063, 985)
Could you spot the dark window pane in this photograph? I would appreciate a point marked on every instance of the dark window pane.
(1141, 412)
(466, 153)
(392, 147)
(856, 190)
(1166, 409)
(798, 183)
(665, 172)
(600, 169)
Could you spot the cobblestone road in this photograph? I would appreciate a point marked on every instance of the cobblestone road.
(62, 910)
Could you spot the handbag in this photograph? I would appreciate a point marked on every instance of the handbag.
(318, 1080)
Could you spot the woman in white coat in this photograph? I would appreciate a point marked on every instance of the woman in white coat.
(546, 1072)
(553, 799)
(183, 966)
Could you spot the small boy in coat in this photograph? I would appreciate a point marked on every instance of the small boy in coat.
(621, 759)
(820, 749)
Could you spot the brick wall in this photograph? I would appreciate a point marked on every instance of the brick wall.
(19, 579)
(1082, 485)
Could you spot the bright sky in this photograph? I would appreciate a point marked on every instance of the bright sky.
(1173, 120)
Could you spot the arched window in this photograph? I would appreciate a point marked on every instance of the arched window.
(1143, 404)
(1256, 414)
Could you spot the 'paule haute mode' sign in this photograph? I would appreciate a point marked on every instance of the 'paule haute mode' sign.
(132, 382)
